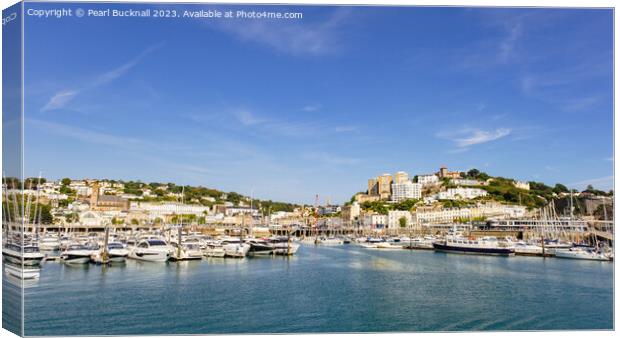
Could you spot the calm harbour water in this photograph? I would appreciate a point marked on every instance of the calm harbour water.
(322, 289)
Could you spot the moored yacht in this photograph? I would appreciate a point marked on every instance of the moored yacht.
(116, 253)
(482, 246)
(583, 253)
(330, 241)
(151, 250)
(49, 243)
(233, 247)
(77, 254)
(27, 254)
(284, 246)
(259, 247)
(187, 251)
(213, 249)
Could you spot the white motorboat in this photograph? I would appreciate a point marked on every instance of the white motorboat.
(309, 240)
(77, 254)
(49, 243)
(523, 248)
(259, 247)
(330, 241)
(214, 249)
(233, 247)
(582, 253)
(117, 253)
(284, 246)
(187, 251)
(151, 250)
(482, 246)
(388, 245)
(419, 243)
(27, 255)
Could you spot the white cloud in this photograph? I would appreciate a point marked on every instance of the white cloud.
(299, 38)
(330, 159)
(507, 46)
(59, 100)
(64, 97)
(468, 137)
(84, 135)
(312, 107)
(247, 118)
(345, 129)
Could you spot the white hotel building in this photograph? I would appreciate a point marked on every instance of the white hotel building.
(426, 180)
(461, 193)
(406, 190)
(161, 210)
(441, 215)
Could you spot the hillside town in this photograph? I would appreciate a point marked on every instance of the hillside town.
(390, 202)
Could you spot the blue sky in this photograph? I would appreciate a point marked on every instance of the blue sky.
(294, 108)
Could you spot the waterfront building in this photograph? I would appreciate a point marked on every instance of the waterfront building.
(239, 210)
(461, 193)
(350, 212)
(100, 202)
(394, 217)
(91, 218)
(82, 190)
(427, 180)
(498, 210)
(401, 177)
(374, 220)
(406, 190)
(166, 209)
(328, 210)
(444, 173)
(424, 215)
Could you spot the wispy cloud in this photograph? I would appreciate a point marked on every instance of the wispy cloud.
(298, 38)
(312, 107)
(467, 137)
(65, 96)
(508, 44)
(247, 118)
(84, 135)
(59, 100)
(345, 129)
(269, 125)
(331, 159)
(552, 169)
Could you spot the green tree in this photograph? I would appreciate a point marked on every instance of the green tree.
(65, 181)
(402, 221)
(560, 188)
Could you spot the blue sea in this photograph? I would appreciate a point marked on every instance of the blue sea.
(321, 289)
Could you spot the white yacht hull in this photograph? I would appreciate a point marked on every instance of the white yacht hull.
(286, 249)
(149, 255)
(591, 256)
(236, 250)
